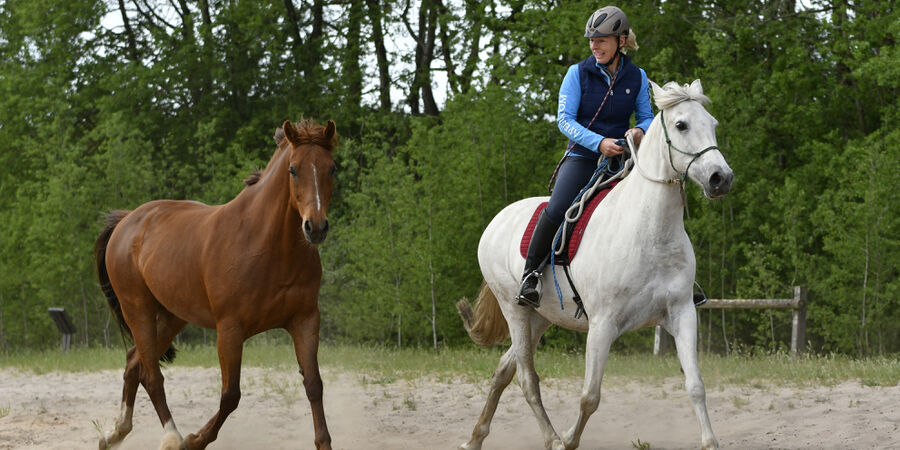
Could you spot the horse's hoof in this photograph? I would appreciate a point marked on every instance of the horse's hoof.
(171, 441)
(469, 446)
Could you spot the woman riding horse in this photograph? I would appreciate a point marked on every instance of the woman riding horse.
(596, 101)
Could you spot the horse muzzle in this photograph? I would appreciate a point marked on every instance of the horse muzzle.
(719, 183)
(315, 231)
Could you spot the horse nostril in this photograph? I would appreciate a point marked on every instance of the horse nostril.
(325, 227)
(307, 227)
(715, 180)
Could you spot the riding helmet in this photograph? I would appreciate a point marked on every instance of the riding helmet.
(606, 21)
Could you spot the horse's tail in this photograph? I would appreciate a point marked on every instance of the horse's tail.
(485, 324)
(112, 219)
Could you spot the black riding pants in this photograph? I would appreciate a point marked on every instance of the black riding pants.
(574, 174)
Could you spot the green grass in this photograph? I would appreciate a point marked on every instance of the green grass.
(640, 445)
(381, 365)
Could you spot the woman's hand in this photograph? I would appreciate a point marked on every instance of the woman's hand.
(609, 148)
(637, 134)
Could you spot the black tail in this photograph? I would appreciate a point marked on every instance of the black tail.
(112, 219)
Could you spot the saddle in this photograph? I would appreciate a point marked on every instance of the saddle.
(575, 230)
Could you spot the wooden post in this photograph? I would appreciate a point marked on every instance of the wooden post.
(798, 323)
(662, 341)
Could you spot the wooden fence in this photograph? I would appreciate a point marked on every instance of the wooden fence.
(663, 341)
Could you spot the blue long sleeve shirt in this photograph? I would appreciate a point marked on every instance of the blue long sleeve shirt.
(570, 99)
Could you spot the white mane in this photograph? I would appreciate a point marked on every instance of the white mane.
(672, 94)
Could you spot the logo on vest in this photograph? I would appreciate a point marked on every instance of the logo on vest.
(627, 90)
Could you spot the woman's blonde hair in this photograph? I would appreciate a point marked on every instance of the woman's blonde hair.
(630, 42)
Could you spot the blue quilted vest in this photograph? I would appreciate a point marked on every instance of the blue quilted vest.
(615, 118)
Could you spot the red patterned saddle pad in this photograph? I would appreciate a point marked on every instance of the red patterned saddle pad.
(577, 232)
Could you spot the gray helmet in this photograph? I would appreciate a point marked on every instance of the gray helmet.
(606, 21)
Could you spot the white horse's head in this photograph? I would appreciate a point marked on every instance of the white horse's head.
(690, 133)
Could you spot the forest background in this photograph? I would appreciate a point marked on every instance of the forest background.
(446, 114)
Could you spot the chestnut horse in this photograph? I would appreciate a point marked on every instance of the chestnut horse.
(240, 268)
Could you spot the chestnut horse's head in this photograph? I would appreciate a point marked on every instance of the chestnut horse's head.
(311, 168)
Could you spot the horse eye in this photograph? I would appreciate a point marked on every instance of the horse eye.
(681, 125)
(293, 171)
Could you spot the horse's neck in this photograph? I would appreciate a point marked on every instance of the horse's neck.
(659, 205)
(265, 207)
(653, 153)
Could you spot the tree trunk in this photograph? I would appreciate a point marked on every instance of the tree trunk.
(724, 333)
(24, 316)
(429, 104)
(106, 330)
(384, 76)
(412, 98)
(475, 10)
(352, 74)
(84, 332)
(446, 50)
(129, 34)
(187, 21)
(2, 334)
(431, 273)
(863, 330)
(293, 26)
(396, 273)
(420, 88)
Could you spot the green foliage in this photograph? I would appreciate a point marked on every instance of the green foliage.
(95, 118)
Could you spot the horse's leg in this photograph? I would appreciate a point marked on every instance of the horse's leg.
(525, 330)
(150, 343)
(682, 324)
(129, 391)
(502, 377)
(505, 371)
(168, 327)
(600, 337)
(305, 333)
(230, 344)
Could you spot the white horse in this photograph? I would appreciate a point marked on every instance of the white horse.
(635, 268)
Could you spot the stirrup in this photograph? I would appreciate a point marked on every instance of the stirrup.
(699, 297)
(538, 285)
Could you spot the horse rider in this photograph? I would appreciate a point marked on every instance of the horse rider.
(596, 101)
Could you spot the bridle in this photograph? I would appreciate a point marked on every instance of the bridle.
(682, 176)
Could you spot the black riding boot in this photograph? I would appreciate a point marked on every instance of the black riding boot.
(538, 250)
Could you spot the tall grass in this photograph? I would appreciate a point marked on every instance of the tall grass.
(385, 364)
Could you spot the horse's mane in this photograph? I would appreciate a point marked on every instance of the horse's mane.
(672, 94)
(310, 133)
(253, 178)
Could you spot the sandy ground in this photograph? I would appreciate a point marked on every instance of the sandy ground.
(63, 411)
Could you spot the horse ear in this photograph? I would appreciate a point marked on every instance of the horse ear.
(330, 130)
(656, 89)
(290, 132)
(696, 87)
